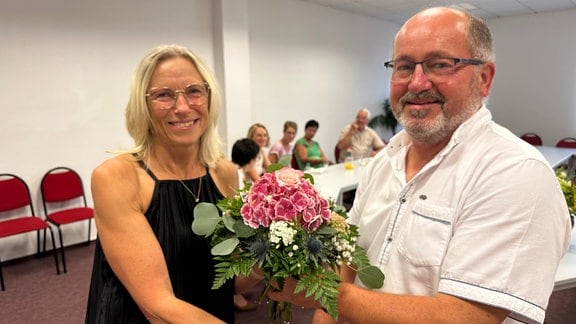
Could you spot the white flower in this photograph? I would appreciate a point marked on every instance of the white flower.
(281, 231)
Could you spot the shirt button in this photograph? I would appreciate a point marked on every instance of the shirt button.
(389, 239)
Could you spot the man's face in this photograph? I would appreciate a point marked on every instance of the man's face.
(362, 120)
(430, 107)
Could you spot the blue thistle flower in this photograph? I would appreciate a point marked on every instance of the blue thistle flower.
(258, 248)
(314, 246)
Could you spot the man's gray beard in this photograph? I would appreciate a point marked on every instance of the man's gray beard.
(432, 132)
(439, 129)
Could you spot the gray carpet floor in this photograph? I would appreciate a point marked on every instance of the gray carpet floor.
(35, 294)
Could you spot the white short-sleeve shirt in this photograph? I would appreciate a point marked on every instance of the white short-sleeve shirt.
(485, 220)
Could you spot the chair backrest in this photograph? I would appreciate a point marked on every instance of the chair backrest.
(337, 153)
(14, 193)
(532, 138)
(568, 142)
(293, 162)
(61, 184)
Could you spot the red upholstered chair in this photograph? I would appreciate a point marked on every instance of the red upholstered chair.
(337, 153)
(293, 162)
(63, 186)
(17, 215)
(568, 142)
(532, 138)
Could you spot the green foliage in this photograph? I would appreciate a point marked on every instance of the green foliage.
(385, 120)
(568, 185)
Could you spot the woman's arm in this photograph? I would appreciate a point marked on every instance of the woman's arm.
(303, 155)
(120, 196)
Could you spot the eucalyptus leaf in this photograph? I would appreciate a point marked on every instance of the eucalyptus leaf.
(274, 167)
(309, 177)
(229, 222)
(371, 277)
(225, 247)
(243, 230)
(206, 218)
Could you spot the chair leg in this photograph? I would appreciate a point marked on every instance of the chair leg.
(62, 249)
(54, 249)
(1, 277)
(89, 227)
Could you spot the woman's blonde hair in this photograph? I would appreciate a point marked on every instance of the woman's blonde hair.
(138, 119)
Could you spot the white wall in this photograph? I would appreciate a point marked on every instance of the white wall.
(535, 85)
(311, 62)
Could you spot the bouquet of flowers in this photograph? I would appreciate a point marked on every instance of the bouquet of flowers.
(282, 226)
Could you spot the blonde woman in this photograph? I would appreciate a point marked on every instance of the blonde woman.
(259, 134)
(148, 265)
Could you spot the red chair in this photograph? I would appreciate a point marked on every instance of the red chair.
(15, 203)
(532, 138)
(293, 162)
(568, 142)
(63, 186)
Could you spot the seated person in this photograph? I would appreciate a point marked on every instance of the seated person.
(308, 151)
(284, 146)
(363, 140)
(259, 134)
(244, 154)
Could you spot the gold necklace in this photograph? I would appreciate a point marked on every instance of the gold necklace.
(197, 196)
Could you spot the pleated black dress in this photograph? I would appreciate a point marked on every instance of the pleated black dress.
(190, 264)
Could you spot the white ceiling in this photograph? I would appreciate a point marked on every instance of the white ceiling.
(399, 11)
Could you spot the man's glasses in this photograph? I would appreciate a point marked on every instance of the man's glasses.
(165, 98)
(402, 70)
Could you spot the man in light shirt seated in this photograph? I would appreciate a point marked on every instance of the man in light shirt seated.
(363, 140)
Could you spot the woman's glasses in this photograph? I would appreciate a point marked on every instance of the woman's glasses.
(165, 98)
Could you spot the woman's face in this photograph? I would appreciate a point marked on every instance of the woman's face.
(260, 136)
(309, 132)
(183, 123)
(289, 134)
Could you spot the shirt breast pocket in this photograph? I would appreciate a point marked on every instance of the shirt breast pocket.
(424, 240)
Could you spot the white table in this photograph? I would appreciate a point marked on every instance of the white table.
(556, 155)
(332, 181)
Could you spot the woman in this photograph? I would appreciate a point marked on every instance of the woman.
(148, 265)
(307, 150)
(259, 134)
(284, 145)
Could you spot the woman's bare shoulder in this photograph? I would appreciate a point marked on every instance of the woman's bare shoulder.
(225, 175)
(119, 166)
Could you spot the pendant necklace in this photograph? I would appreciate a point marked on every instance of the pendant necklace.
(197, 196)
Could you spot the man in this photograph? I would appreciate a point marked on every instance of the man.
(465, 219)
(363, 140)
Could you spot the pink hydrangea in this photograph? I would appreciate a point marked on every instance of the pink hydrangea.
(284, 196)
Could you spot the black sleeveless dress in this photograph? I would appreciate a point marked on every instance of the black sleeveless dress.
(187, 255)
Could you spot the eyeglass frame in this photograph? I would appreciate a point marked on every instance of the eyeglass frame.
(464, 61)
(182, 91)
